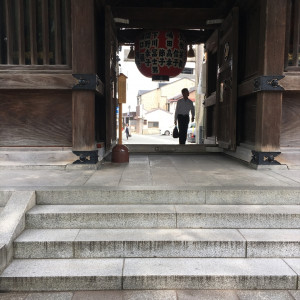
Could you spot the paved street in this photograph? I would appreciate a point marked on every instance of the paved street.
(150, 139)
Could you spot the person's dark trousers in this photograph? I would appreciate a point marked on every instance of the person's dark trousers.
(183, 123)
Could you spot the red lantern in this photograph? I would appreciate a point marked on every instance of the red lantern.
(160, 54)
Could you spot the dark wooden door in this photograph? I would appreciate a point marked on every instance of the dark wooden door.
(227, 81)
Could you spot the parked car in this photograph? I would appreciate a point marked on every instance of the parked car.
(167, 130)
(191, 133)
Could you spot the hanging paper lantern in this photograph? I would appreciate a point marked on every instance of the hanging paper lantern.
(160, 54)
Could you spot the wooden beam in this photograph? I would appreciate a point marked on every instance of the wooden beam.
(83, 37)
(129, 36)
(212, 42)
(35, 69)
(246, 87)
(161, 17)
(268, 122)
(83, 103)
(36, 81)
(271, 62)
(211, 100)
(108, 79)
(272, 37)
(291, 82)
(83, 62)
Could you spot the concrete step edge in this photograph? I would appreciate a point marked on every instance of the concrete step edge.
(174, 195)
(163, 216)
(157, 243)
(150, 273)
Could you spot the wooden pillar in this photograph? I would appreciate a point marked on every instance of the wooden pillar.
(83, 62)
(109, 76)
(271, 62)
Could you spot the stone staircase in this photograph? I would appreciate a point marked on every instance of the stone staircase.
(92, 239)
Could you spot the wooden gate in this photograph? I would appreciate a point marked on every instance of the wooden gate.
(227, 81)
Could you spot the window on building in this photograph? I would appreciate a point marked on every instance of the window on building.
(35, 32)
(145, 122)
(153, 124)
(188, 71)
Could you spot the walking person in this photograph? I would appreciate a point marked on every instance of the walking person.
(182, 115)
(127, 131)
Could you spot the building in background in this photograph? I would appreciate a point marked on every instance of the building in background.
(156, 108)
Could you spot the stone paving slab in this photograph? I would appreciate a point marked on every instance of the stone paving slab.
(208, 273)
(207, 295)
(272, 242)
(295, 294)
(154, 170)
(157, 295)
(264, 295)
(50, 296)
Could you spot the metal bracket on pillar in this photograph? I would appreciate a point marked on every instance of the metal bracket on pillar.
(86, 157)
(264, 158)
(88, 82)
(267, 83)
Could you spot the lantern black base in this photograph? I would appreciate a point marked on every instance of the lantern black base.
(160, 78)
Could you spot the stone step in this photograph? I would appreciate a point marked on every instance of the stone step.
(108, 243)
(163, 216)
(150, 274)
(97, 243)
(171, 195)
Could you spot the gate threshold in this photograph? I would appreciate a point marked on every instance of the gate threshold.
(171, 148)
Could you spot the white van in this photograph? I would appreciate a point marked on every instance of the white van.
(166, 130)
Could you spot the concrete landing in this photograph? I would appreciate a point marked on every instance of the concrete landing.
(153, 170)
(158, 295)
